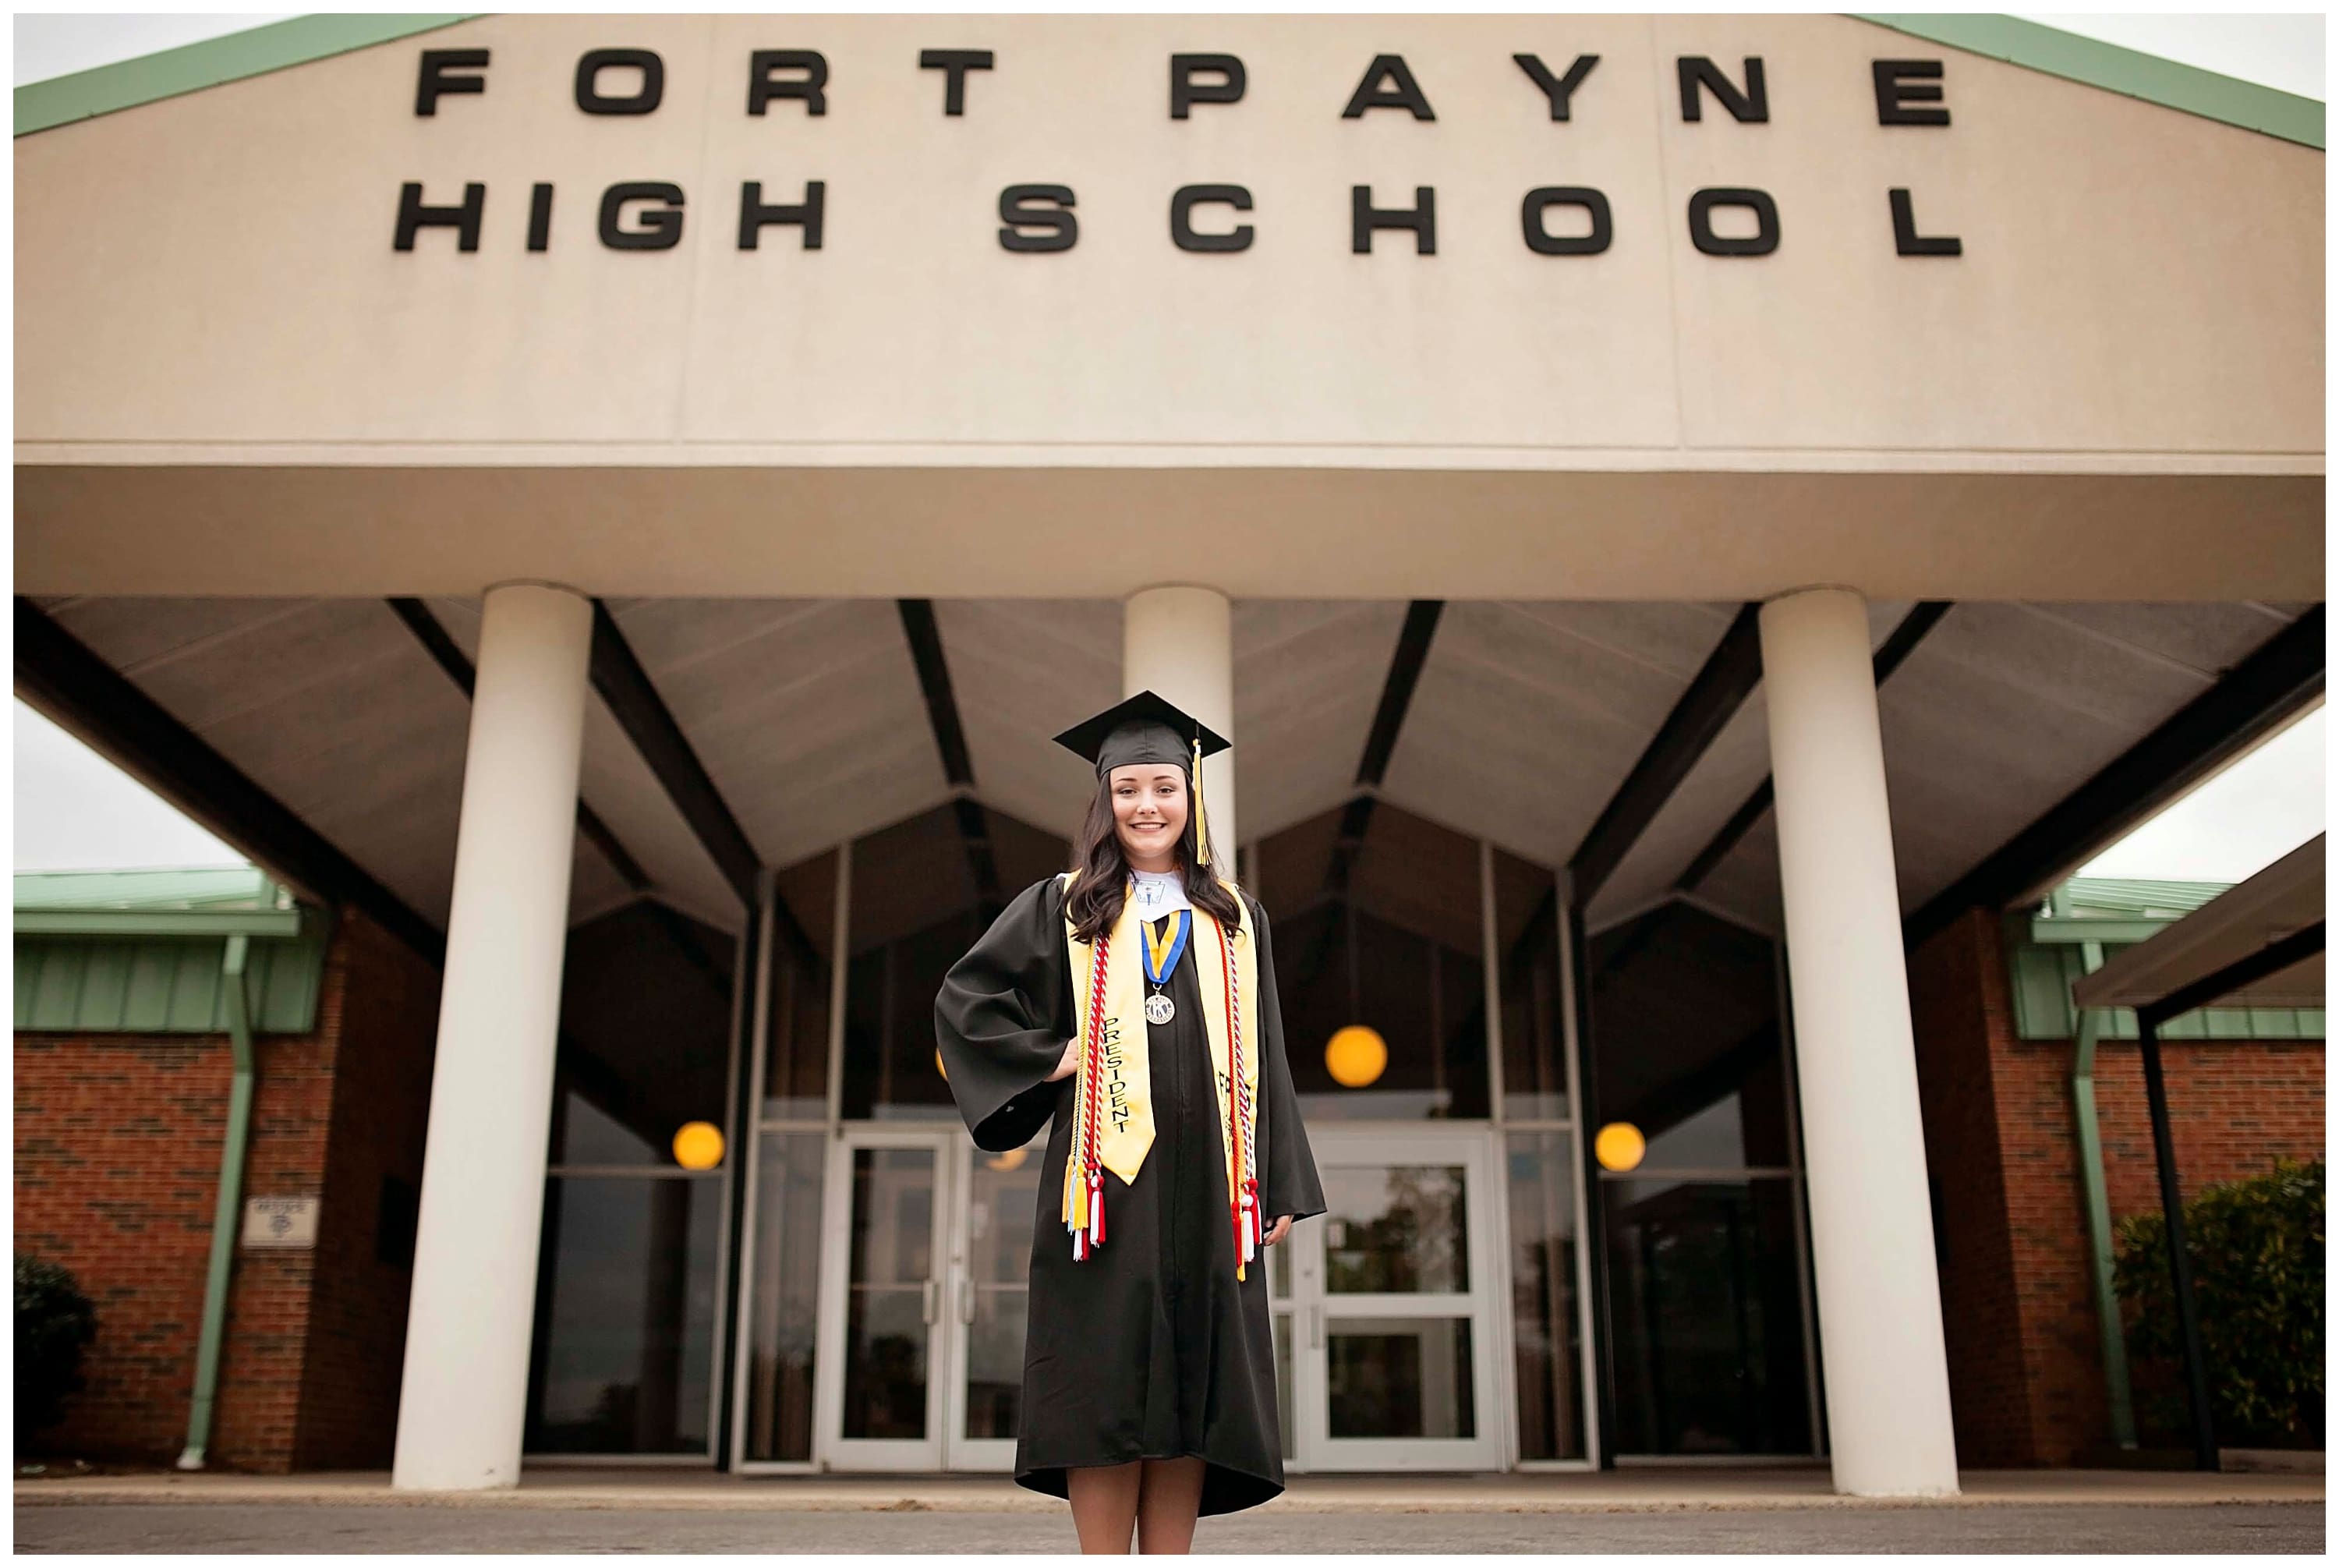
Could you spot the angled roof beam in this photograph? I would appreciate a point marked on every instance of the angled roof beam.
(1412, 652)
(925, 638)
(1897, 648)
(1721, 685)
(2256, 695)
(460, 669)
(62, 677)
(643, 715)
(1381, 742)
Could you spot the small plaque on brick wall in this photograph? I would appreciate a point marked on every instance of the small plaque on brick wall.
(279, 1222)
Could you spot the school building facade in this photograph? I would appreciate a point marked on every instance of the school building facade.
(1696, 527)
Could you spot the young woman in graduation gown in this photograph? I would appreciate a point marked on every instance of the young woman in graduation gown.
(1175, 1156)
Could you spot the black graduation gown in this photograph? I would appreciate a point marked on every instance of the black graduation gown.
(1150, 1348)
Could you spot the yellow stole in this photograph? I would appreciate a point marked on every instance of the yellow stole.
(1113, 1098)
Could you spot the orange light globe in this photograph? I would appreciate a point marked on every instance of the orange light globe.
(698, 1146)
(1355, 1056)
(1619, 1145)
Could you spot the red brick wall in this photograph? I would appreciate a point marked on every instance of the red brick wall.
(118, 1142)
(1954, 1010)
(2026, 1367)
(386, 1018)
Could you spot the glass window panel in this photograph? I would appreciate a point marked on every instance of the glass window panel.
(626, 1316)
(1387, 935)
(1399, 1377)
(784, 1297)
(645, 1045)
(795, 1064)
(1527, 927)
(1395, 1228)
(1001, 1209)
(1544, 1301)
(915, 911)
(1706, 1303)
(1685, 1043)
(889, 1262)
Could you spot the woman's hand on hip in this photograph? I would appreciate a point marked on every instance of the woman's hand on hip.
(1067, 1064)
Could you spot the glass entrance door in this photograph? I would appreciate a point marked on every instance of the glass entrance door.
(927, 1260)
(1392, 1297)
(990, 1290)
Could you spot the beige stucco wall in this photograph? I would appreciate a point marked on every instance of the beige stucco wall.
(209, 281)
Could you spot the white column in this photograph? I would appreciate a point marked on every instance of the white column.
(1179, 642)
(465, 1390)
(1879, 1302)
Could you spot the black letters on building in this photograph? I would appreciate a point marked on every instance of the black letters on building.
(590, 65)
(1900, 84)
(1765, 238)
(1752, 107)
(754, 215)
(1184, 91)
(434, 83)
(957, 63)
(1181, 209)
(1543, 243)
(1558, 89)
(1905, 238)
(1402, 92)
(661, 227)
(1421, 218)
(761, 88)
(1017, 212)
(414, 217)
(539, 217)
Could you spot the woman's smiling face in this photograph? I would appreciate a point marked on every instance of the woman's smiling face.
(1148, 813)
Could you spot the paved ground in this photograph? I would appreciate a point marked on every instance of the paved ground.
(325, 1528)
(1740, 1509)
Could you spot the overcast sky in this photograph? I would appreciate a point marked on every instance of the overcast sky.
(75, 810)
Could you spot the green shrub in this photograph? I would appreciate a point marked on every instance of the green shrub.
(2256, 1248)
(54, 1321)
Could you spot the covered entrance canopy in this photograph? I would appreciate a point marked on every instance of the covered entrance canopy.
(538, 466)
(813, 723)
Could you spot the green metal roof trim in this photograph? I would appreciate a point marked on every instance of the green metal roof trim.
(207, 887)
(61, 100)
(163, 985)
(209, 900)
(139, 951)
(2133, 896)
(2040, 972)
(2126, 71)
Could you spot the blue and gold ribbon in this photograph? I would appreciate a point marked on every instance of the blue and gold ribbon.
(1163, 950)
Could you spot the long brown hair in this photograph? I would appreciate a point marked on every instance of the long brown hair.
(1102, 884)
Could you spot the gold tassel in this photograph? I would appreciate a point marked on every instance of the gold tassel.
(1201, 827)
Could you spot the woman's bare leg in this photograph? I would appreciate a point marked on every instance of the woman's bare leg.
(1167, 1502)
(1104, 1505)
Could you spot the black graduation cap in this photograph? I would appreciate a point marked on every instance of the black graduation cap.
(1149, 728)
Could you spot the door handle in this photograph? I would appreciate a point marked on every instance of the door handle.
(965, 1299)
(933, 1293)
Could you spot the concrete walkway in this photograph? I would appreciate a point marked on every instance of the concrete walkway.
(1632, 1490)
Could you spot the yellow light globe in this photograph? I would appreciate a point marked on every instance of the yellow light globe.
(1355, 1056)
(1619, 1145)
(698, 1146)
